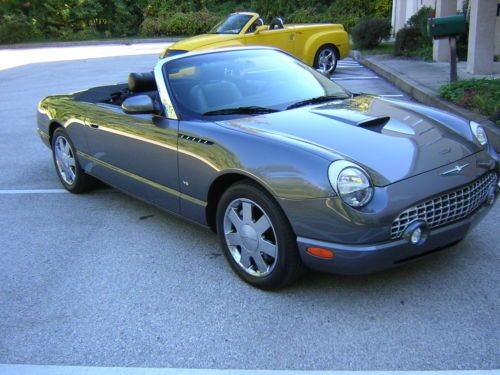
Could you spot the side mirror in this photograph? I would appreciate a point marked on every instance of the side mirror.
(261, 28)
(139, 104)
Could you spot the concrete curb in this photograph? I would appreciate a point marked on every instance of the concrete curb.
(91, 42)
(429, 97)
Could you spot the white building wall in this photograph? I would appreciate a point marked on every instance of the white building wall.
(402, 10)
(497, 31)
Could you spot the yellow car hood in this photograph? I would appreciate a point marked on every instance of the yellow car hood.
(202, 41)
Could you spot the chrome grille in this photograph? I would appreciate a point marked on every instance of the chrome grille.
(446, 208)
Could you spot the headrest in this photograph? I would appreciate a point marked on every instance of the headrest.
(139, 82)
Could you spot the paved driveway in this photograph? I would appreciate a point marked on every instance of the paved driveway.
(103, 279)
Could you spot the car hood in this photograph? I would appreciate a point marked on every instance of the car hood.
(202, 41)
(392, 139)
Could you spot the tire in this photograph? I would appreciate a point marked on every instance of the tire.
(256, 237)
(326, 58)
(68, 169)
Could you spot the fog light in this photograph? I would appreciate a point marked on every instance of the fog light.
(416, 236)
(417, 232)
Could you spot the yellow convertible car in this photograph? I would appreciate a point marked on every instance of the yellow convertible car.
(319, 46)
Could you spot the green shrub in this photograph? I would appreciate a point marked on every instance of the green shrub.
(16, 28)
(463, 40)
(406, 41)
(179, 23)
(369, 34)
(419, 21)
(413, 40)
(480, 95)
(22, 20)
(303, 15)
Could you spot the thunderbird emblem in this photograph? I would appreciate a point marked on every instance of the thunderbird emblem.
(455, 170)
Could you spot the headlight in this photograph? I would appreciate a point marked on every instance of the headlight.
(351, 183)
(479, 133)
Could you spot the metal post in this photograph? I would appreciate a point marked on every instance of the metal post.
(453, 59)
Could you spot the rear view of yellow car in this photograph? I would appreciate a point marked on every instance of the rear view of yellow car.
(318, 45)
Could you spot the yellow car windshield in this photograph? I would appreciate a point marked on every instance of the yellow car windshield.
(231, 25)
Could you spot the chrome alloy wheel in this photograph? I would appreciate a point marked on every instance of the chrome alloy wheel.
(250, 237)
(327, 60)
(65, 160)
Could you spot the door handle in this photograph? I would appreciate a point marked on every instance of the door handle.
(94, 126)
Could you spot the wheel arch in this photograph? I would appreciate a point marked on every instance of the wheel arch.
(53, 125)
(220, 185)
(335, 49)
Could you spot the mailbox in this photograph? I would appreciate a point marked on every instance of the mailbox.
(445, 27)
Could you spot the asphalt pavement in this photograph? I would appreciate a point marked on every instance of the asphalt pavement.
(359, 79)
(102, 279)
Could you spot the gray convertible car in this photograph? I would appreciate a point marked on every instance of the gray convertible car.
(289, 169)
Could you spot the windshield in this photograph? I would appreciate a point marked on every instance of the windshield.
(231, 25)
(244, 78)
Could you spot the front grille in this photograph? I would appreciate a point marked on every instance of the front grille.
(446, 208)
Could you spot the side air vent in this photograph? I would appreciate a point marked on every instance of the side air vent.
(195, 139)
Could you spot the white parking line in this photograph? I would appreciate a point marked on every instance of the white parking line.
(47, 191)
(392, 95)
(81, 370)
(354, 77)
(33, 191)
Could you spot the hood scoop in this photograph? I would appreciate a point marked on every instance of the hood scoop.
(375, 124)
(360, 120)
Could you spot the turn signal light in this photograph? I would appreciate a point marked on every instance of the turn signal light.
(321, 253)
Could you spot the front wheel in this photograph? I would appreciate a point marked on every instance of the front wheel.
(256, 237)
(326, 59)
(70, 173)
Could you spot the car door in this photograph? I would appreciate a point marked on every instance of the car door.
(279, 38)
(136, 153)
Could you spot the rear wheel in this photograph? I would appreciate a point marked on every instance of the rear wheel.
(256, 237)
(326, 59)
(70, 173)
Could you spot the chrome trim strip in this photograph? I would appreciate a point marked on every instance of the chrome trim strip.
(144, 180)
(162, 89)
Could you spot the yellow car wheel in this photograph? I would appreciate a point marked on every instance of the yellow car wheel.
(326, 58)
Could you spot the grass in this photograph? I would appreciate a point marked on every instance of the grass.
(479, 95)
(385, 48)
(423, 53)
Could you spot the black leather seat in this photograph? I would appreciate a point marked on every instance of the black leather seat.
(213, 95)
(276, 24)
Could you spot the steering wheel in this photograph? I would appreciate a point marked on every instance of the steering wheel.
(276, 23)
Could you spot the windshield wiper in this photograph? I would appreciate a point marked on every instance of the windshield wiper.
(240, 110)
(318, 99)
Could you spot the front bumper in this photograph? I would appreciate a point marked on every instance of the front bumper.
(368, 258)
